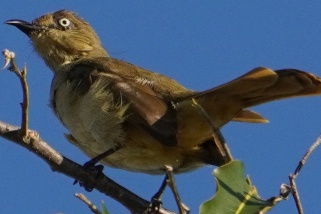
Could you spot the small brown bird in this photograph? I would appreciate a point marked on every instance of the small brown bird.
(107, 103)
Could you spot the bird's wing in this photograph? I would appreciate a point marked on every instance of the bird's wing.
(147, 94)
(159, 113)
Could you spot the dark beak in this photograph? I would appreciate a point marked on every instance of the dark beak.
(24, 26)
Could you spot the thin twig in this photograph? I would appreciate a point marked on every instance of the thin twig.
(22, 75)
(307, 155)
(91, 206)
(25, 101)
(183, 209)
(295, 194)
(292, 177)
(217, 134)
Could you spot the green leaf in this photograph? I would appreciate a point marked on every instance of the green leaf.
(235, 193)
(103, 208)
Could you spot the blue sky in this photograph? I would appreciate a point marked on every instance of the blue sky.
(201, 45)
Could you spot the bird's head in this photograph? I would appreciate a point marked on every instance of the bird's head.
(61, 37)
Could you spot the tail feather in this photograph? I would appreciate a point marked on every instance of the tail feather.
(229, 101)
(290, 83)
(250, 117)
(226, 102)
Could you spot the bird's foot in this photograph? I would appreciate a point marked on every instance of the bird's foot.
(96, 170)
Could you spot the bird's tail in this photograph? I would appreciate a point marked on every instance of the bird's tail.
(256, 87)
(228, 102)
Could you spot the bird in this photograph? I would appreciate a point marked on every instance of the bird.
(149, 120)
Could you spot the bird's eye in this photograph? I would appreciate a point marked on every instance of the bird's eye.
(64, 22)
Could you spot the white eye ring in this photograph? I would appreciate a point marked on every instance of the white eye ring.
(64, 22)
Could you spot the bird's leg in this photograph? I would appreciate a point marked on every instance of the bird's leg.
(103, 155)
(96, 169)
(183, 209)
(156, 200)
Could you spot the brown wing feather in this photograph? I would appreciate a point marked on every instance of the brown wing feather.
(158, 113)
(148, 98)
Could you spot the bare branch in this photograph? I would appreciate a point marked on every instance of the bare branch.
(91, 206)
(22, 75)
(306, 156)
(295, 194)
(292, 177)
(61, 164)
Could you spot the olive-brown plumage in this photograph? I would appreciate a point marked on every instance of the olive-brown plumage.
(105, 102)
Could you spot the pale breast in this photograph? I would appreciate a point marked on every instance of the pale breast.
(92, 118)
